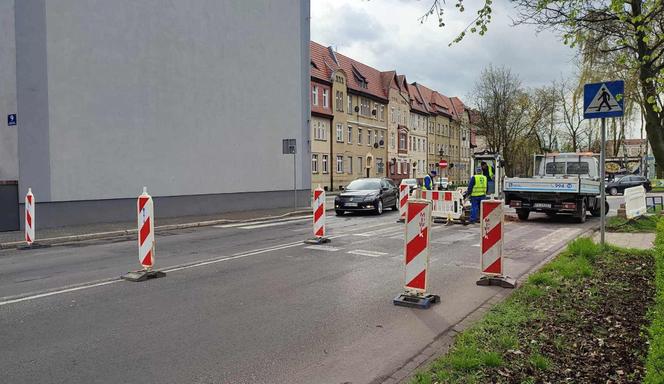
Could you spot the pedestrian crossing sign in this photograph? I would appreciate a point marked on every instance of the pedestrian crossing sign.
(603, 99)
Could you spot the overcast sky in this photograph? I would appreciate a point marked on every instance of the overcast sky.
(387, 35)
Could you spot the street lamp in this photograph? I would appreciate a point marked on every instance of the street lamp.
(440, 176)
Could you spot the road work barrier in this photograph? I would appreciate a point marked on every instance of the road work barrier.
(404, 194)
(492, 224)
(29, 217)
(635, 202)
(318, 205)
(416, 252)
(447, 205)
(146, 240)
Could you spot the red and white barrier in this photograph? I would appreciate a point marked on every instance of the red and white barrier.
(446, 204)
(492, 229)
(29, 217)
(404, 194)
(416, 251)
(319, 212)
(146, 242)
(318, 205)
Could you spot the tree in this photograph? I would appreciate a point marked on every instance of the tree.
(632, 31)
(508, 116)
(570, 98)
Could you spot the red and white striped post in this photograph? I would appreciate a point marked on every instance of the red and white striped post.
(146, 240)
(318, 205)
(416, 252)
(492, 231)
(29, 217)
(404, 193)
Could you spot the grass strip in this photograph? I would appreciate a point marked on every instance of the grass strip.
(580, 319)
(639, 224)
(655, 361)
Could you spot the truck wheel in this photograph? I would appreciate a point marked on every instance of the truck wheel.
(581, 212)
(523, 214)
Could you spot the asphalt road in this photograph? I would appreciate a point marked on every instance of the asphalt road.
(245, 303)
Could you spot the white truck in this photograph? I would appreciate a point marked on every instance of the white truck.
(563, 183)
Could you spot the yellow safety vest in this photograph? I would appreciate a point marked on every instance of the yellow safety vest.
(490, 172)
(479, 187)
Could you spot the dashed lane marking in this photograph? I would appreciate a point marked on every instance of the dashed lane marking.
(362, 252)
(322, 248)
(235, 225)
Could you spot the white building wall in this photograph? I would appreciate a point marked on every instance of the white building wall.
(8, 134)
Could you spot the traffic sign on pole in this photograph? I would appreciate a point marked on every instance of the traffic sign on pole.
(603, 99)
(442, 163)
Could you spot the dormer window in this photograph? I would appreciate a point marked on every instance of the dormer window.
(361, 79)
(313, 65)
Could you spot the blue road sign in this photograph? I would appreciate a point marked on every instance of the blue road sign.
(11, 119)
(603, 99)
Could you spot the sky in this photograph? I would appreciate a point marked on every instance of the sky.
(387, 35)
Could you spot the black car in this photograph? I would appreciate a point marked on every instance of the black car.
(371, 194)
(618, 185)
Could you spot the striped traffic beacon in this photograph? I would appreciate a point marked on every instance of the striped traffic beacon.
(29, 217)
(146, 240)
(492, 231)
(318, 205)
(404, 193)
(416, 252)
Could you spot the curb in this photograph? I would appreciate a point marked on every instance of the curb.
(442, 343)
(132, 232)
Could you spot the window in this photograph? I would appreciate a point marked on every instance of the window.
(350, 134)
(359, 135)
(314, 95)
(324, 164)
(326, 96)
(393, 117)
(359, 165)
(339, 101)
(320, 131)
(402, 141)
(382, 113)
(364, 107)
(340, 164)
(340, 133)
(382, 139)
(350, 105)
(393, 140)
(314, 163)
(350, 164)
(369, 137)
(379, 165)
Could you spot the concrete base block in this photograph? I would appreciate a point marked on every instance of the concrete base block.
(317, 240)
(416, 301)
(142, 275)
(501, 281)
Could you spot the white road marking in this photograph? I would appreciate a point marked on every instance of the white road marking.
(272, 224)
(234, 225)
(362, 252)
(322, 248)
(168, 270)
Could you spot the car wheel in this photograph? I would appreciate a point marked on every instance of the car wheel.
(395, 207)
(613, 191)
(379, 207)
(581, 212)
(523, 214)
(340, 213)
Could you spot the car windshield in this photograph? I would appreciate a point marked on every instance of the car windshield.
(410, 181)
(357, 185)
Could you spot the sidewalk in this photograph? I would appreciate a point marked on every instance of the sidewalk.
(120, 229)
(629, 240)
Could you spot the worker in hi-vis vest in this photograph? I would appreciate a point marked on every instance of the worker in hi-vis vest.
(427, 183)
(477, 192)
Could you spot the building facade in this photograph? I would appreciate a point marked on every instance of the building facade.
(399, 161)
(124, 94)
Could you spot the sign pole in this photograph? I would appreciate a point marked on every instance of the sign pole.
(294, 183)
(602, 187)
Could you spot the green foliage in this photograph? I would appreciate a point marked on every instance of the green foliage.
(655, 360)
(540, 362)
(640, 224)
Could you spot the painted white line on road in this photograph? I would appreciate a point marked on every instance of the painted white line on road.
(273, 224)
(362, 252)
(235, 225)
(58, 292)
(322, 248)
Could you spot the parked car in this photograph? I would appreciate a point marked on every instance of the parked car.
(441, 183)
(618, 185)
(368, 194)
(412, 183)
